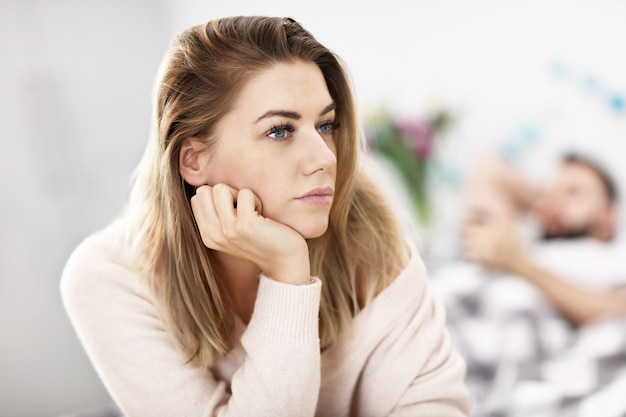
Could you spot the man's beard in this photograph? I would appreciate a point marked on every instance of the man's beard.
(580, 232)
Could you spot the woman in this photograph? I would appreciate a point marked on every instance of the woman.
(257, 271)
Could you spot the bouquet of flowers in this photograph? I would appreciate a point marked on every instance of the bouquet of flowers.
(409, 144)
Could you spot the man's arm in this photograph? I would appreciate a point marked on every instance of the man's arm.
(495, 188)
(494, 243)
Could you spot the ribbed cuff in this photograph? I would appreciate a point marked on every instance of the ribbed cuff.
(286, 313)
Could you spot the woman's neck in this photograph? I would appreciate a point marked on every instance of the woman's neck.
(241, 280)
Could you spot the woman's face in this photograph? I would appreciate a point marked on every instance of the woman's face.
(278, 142)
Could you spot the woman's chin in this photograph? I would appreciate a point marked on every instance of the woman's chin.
(311, 231)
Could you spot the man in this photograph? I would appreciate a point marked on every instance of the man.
(578, 206)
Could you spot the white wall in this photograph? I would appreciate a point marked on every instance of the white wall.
(76, 79)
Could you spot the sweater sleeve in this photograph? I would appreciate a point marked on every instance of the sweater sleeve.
(126, 341)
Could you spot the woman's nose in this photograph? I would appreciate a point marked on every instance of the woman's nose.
(319, 153)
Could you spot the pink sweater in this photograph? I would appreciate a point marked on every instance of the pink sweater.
(397, 360)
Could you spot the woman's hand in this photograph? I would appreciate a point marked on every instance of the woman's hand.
(230, 221)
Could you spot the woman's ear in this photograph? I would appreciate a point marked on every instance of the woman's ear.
(191, 162)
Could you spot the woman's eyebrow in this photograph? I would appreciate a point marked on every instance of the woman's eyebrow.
(292, 114)
(284, 113)
(332, 106)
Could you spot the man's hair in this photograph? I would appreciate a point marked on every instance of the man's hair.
(607, 181)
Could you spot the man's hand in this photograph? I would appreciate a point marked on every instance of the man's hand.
(493, 242)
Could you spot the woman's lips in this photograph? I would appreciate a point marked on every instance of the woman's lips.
(318, 197)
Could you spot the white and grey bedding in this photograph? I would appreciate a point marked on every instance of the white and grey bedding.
(523, 358)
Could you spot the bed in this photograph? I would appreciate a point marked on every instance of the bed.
(523, 358)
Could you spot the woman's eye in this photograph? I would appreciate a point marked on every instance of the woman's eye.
(281, 132)
(328, 128)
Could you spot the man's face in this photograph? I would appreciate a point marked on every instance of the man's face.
(575, 203)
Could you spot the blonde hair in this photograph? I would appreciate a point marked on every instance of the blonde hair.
(201, 75)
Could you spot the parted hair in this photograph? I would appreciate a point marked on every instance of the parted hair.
(200, 77)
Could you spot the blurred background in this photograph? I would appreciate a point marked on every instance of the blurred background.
(527, 79)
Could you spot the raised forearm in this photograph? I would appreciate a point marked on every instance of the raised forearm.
(492, 178)
(579, 305)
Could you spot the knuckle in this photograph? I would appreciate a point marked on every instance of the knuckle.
(221, 190)
(201, 191)
(244, 193)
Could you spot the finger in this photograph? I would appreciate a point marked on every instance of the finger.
(468, 247)
(475, 254)
(201, 203)
(469, 253)
(224, 200)
(235, 193)
(206, 217)
(248, 202)
(470, 231)
(474, 246)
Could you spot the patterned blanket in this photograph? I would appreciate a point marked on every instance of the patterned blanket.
(523, 358)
